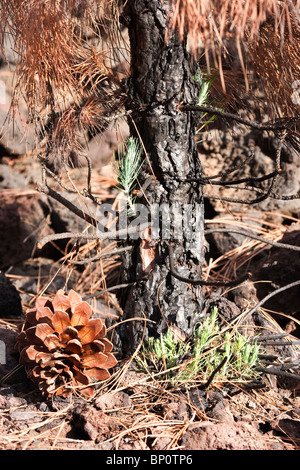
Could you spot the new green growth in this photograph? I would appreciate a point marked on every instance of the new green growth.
(197, 358)
(127, 167)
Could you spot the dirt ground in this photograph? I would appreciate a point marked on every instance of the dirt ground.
(136, 412)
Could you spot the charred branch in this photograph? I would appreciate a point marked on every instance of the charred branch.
(275, 126)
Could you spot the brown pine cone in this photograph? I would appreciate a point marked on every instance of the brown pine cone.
(61, 348)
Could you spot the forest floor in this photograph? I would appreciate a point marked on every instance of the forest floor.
(136, 410)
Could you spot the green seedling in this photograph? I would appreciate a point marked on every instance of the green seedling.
(203, 97)
(197, 358)
(127, 168)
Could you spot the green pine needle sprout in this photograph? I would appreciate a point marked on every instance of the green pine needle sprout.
(204, 87)
(203, 96)
(127, 168)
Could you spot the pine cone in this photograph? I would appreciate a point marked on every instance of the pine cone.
(62, 348)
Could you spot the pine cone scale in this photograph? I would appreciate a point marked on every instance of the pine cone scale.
(87, 334)
(44, 313)
(81, 314)
(62, 347)
(52, 342)
(94, 360)
(74, 345)
(100, 374)
(60, 321)
(42, 330)
(68, 334)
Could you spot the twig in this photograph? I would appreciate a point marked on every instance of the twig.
(279, 372)
(283, 343)
(283, 124)
(254, 201)
(267, 357)
(69, 205)
(254, 236)
(270, 337)
(200, 282)
(108, 235)
(63, 235)
(250, 179)
(109, 289)
(101, 255)
(219, 367)
(265, 299)
(283, 366)
(56, 177)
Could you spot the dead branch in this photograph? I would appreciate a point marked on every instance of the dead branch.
(63, 235)
(249, 234)
(276, 126)
(89, 236)
(201, 282)
(278, 371)
(101, 255)
(267, 297)
(69, 205)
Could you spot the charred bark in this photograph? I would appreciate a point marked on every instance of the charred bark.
(162, 76)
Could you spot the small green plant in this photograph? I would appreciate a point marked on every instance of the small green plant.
(127, 167)
(203, 97)
(205, 84)
(197, 358)
(163, 352)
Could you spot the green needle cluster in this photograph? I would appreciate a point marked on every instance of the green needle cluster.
(127, 167)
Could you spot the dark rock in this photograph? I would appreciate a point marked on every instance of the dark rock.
(113, 400)
(89, 424)
(287, 427)
(23, 222)
(221, 412)
(30, 273)
(10, 301)
(231, 152)
(244, 296)
(227, 240)
(8, 337)
(198, 399)
(9, 358)
(281, 267)
(176, 409)
(227, 310)
(64, 220)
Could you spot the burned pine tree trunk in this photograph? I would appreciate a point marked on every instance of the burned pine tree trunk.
(162, 76)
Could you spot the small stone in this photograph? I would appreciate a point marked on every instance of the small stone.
(10, 301)
(110, 401)
(23, 222)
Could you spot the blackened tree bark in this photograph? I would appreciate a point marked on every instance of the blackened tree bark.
(162, 76)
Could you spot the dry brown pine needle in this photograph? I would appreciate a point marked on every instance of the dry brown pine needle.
(62, 348)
